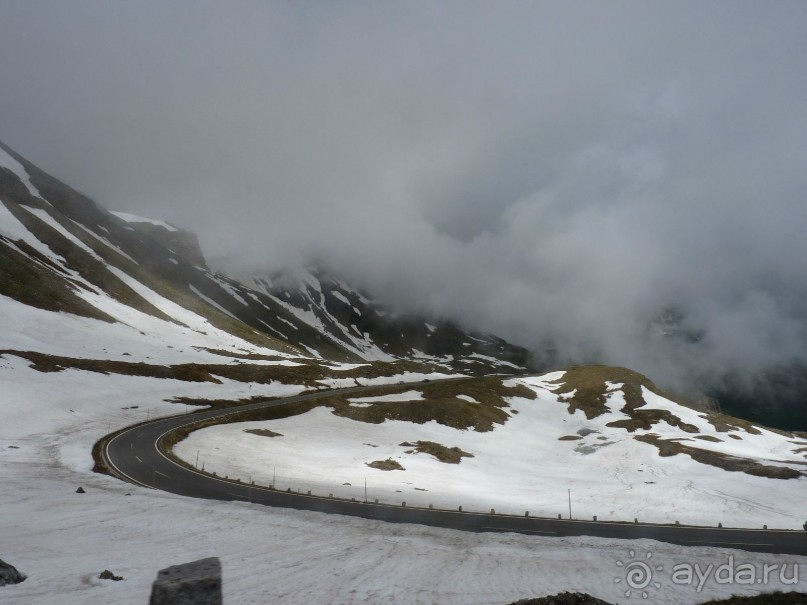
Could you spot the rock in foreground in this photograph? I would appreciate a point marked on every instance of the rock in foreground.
(9, 574)
(195, 583)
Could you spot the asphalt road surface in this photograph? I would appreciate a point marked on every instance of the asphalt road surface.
(133, 454)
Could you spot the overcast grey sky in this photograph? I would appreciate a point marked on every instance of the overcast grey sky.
(545, 170)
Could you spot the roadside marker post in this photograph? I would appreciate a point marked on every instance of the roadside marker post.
(570, 504)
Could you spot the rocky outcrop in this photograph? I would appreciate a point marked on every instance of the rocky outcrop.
(108, 575)
(182, 243)
(9, 574)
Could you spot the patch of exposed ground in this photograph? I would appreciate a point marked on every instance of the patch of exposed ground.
(441, 403)
(645, 419)
(668, 447)
(263, 432)
(379, 369)
(386, 465)
(449, 455)
(724, 424)
(587, 389)
(217, 403)
(240, 355)
(189, 372)
(307, 373)
(454, 413)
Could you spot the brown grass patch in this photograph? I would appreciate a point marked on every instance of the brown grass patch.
(729, 463)
(441, 404)
(570, 438)
(263, 432)
(308, 373)
(217, 403)
(457, 414)
(386, 465)
(449, 455)
(645, 419)
(242, 355)
(188, 372)
(724, 424)
(590, 389)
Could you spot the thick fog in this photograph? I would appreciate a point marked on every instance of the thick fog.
(560, 173)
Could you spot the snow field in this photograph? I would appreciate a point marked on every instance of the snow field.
(133, 218)
(520, 466)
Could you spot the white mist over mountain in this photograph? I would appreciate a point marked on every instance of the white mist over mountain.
(552, 172)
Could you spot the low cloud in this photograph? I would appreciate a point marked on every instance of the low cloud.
(562, 173)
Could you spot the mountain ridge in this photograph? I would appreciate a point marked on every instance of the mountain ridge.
(68, 247)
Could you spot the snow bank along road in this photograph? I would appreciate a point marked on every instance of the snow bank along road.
(134, 455)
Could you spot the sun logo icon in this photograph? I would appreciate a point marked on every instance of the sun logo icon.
(638, 574)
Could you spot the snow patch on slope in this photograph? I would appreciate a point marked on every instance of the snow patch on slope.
(13, 229)
(311, 289)
(211, 302)
(6, 161)
(104, 241)
(133, 218)
(51, 222)
(392, 397)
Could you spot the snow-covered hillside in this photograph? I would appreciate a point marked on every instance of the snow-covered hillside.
(368, 330)
(622, 458)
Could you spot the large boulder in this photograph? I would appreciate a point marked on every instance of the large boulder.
(9, 574)
(195, 583)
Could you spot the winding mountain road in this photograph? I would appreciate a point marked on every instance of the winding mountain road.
(133, 454)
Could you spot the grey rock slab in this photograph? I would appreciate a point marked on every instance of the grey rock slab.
(194, 583)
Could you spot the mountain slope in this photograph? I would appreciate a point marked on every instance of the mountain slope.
(59, 251)
(350, 319)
